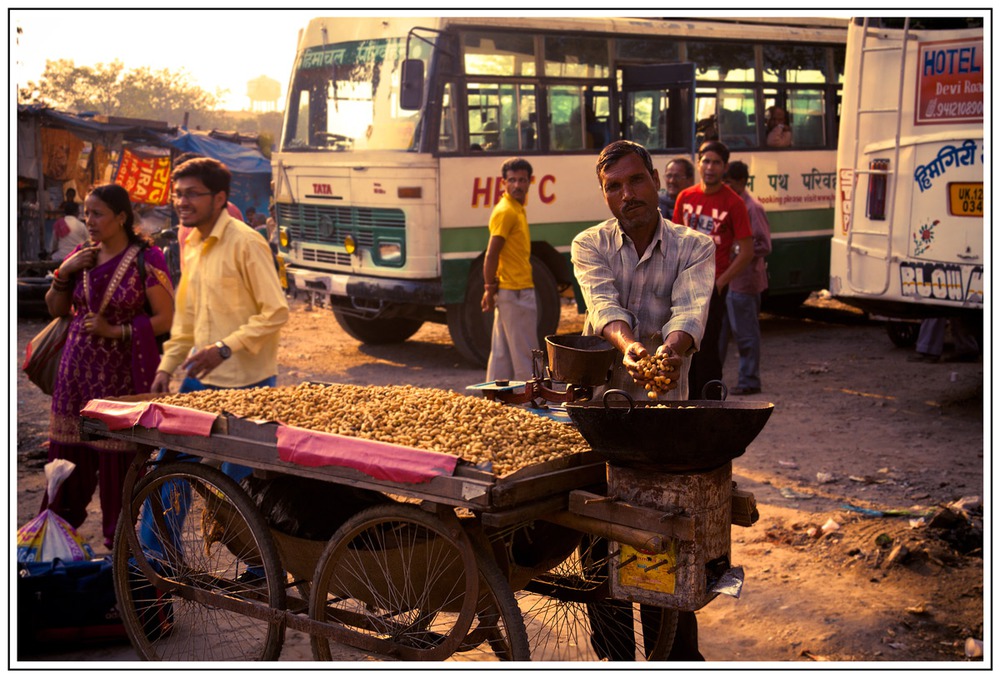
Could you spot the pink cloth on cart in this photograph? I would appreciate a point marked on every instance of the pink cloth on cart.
(383, 461)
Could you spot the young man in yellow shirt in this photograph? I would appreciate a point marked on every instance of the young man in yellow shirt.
(230, 311)
(509, 288)
(230, 306)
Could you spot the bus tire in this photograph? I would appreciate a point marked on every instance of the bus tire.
(902, 334)
(378, 330)
(471, 330)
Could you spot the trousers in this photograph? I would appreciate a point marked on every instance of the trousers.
(705, 364)
(181, 494)
(742, 322)
(515, 323)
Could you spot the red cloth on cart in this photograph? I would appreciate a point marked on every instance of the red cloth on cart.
(173, 419)
(383, 461)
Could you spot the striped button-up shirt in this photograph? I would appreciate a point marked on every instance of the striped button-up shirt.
(665, 290)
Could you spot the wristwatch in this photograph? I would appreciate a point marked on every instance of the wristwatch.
(224, 350)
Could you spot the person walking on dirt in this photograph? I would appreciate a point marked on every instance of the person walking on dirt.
(509, 290)
(712, 208)
(743, 300)
(230, 305)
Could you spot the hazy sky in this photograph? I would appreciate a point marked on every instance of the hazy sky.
(218, 48)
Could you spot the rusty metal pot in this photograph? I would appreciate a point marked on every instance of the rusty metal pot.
(579, 360)
(675, 436)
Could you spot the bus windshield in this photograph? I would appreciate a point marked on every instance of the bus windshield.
(345, 96)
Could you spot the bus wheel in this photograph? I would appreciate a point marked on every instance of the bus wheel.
(471, 329)
(902, 334)
(378, 330)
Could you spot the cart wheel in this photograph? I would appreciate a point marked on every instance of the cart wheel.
(569, 615)
(190, 595)
(396, 581)
(498, 633)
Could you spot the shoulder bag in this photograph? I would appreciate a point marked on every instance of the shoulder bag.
(41, 359)
(44, 351)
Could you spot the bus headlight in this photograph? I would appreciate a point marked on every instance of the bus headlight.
(390, 252)
(283, 238)
(349, 244)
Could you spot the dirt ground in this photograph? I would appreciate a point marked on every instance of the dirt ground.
(851, 475)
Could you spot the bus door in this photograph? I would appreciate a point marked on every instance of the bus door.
(658, 106)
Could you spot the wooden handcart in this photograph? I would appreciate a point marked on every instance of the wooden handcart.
(466, 566)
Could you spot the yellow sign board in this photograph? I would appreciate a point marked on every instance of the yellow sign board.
(648, 571)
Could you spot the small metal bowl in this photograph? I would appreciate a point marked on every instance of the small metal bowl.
(579, 360)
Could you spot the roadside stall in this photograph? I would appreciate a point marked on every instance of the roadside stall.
(552, 513)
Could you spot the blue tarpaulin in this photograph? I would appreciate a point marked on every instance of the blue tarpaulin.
(251, 185)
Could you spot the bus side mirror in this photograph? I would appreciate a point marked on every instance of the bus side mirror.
(411, 96)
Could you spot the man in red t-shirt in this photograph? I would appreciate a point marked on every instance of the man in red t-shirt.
(714, 209)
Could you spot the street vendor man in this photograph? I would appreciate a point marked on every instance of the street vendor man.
(647, 284)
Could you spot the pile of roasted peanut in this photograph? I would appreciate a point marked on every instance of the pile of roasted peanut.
(475, 429)
(655, 374)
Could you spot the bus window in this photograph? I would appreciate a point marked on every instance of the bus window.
(726, 115)
(506, 54)
(706, 127)
(806, 117)
(566, 123)
(642, 118)
(297, 129)
(652, 121)
(795, 64)
(447, 141)
(726, 62)
(736, 118)
(597, 112)
(502, 117)
(576, 57)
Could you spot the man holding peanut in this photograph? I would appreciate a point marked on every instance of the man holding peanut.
(647, 284)
(646, 281)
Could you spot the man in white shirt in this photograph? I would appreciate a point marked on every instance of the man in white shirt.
(68, 232)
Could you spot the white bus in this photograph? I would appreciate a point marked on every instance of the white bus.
(908, 242)
(395, 130)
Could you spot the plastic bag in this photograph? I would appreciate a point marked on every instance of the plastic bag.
(48, 536)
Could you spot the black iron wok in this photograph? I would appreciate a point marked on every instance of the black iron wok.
(677, 436)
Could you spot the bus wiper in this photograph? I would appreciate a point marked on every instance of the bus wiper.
(336, 140)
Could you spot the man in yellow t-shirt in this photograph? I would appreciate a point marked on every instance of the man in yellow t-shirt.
(509, 289)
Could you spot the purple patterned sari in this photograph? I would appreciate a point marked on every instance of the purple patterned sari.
(99, 367)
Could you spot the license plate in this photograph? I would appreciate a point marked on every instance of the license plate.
(965, 199)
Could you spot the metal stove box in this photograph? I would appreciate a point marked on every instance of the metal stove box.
(682, 575)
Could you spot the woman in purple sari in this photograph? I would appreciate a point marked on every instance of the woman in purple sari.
(110, 350)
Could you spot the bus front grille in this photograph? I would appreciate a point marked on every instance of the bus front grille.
(329, 225)
(313, 255)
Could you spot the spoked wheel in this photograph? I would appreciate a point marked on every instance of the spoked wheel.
(397, 581)
(498, 633)
(569, 615)
(207, 575)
